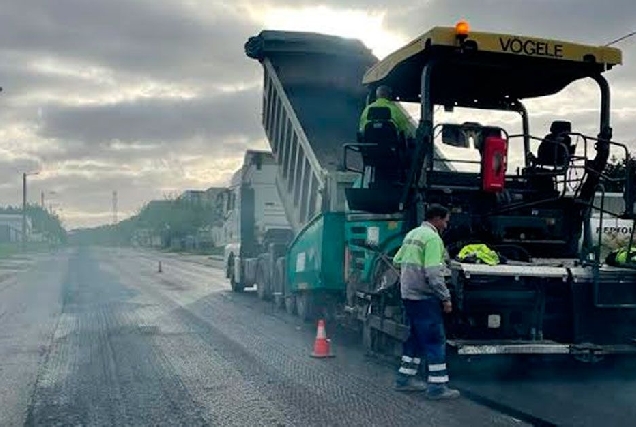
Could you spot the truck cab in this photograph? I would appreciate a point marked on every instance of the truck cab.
(253, 217)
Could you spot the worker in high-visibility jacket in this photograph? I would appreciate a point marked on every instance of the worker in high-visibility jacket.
(424, 294)
(384, 96)
(622, 257)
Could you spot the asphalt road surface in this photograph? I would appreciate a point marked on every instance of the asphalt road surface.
(100, 337)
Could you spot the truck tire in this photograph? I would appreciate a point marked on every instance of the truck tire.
(369, 339)
(236, 287)
(278, 284)
(290, 304)
(263, 288)
(305, 306)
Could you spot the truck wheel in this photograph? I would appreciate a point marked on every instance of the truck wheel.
(279, 302)
(278, 286)
(290, 304)
(369, 338)
(305, 306)
(236, 287)
(262, 287)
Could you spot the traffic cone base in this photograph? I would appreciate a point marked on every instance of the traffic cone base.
(322, 345)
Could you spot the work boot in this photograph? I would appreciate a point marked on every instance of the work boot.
(441, 393)
(410, 384)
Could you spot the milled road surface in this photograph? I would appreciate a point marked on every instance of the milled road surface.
(555, 390)
(99, 337)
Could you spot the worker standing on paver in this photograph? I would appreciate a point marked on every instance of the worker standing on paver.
(424, 293)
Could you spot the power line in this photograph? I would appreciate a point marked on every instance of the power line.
(626, 36)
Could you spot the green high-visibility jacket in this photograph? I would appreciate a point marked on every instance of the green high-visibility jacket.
(397, 116)
(619, 256)
(421, 261)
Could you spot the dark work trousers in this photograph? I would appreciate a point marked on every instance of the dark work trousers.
(427, 339)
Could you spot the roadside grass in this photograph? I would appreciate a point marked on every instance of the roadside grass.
(8, 250)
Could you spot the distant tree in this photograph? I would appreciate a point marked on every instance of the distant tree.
(170, 218)
(615, 171)
(47, 223)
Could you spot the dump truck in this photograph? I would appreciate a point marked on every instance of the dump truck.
(255, 227)
(312, 98)
(352, 196)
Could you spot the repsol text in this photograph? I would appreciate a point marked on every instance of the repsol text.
(531, 47)
(621, 230)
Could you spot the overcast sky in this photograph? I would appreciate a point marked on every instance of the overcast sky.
(150, 98)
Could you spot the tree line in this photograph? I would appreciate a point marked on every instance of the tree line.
(167, 219)
(615, 171)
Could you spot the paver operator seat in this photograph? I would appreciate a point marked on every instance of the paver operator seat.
(556, 148)
(552, 159)
(387, 148)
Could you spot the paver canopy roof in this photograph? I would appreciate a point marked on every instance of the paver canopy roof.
(489, 66)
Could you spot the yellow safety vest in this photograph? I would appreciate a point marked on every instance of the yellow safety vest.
(478, 253)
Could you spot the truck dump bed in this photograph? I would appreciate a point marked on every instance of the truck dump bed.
(329, 120)
(321, 77)
(312, 100)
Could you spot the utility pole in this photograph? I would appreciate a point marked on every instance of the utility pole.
(24, 203)
(24, 207)
(115, 207)
(42, 200)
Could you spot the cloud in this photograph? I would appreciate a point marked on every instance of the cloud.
(149, 98)
(86, 186)
(144, 97)
(161, 40)
(147, 121)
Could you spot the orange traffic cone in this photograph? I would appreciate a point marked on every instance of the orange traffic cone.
(322, 345)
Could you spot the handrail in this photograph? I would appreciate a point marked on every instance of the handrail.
(596, 265)
(628, 257)
(572, 166)
(355, 147)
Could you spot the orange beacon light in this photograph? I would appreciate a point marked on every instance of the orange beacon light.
(461, 29)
